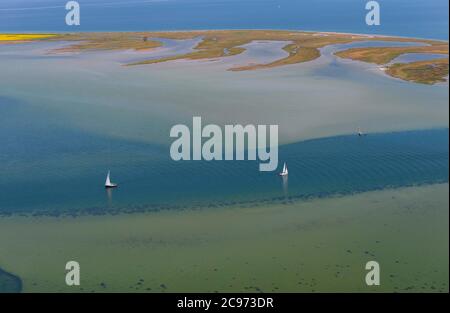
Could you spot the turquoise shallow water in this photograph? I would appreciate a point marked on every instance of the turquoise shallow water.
(49, 170)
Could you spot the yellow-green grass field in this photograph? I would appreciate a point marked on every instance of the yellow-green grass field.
(7, 38)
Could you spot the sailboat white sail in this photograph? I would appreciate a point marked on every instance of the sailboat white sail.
(284, 172)
(108, 183)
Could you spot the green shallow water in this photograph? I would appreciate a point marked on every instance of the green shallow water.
(317, 245)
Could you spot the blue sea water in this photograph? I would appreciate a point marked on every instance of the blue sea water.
(48, 170)
(411, 18)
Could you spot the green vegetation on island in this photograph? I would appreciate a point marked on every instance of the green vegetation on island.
(423, 72)
(105, 41)
(300, 46)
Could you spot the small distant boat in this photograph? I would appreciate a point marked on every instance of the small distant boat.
(108, 183)
(284, 172)
(360, 133)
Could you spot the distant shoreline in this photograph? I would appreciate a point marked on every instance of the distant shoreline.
(221, 29)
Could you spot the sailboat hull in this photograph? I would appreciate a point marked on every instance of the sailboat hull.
(111, 186)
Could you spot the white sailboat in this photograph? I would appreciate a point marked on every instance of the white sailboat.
(360, 133)
(284, 172)
(108, 183)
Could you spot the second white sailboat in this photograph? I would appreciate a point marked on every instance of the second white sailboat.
(284, 172)
(108, 183)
